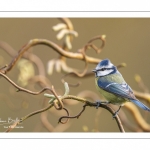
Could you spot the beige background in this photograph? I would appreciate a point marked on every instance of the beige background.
(127, 40)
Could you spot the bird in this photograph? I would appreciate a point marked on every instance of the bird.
(111, 84)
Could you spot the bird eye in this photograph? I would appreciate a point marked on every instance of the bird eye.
(103, 69)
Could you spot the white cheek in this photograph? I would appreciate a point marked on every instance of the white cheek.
(103, 73)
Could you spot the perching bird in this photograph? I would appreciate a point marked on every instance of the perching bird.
(113, 87)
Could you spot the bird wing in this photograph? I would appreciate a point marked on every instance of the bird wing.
(122, 90)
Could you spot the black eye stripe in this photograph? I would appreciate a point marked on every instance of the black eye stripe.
(104, 69)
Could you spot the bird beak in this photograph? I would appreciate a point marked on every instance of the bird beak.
(94, 70)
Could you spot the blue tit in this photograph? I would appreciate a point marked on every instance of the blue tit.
(112, 86)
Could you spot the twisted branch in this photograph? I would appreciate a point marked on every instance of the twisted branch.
(54, 46)
(59, 101)
(27, 55)
(86, 103)
(31, 92)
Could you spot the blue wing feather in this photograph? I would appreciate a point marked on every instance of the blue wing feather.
(122, 90)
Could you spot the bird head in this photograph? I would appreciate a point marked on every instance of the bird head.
(105, 67)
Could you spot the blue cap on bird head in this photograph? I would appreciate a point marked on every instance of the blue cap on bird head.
(104, 63)
(105, 67)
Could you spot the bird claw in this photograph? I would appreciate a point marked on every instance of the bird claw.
(115, 114)
(98, 103)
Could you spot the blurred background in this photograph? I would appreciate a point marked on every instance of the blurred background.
(127, 41)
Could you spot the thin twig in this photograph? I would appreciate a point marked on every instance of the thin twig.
(27, 116)
(87, 103)
(66, 116)
(71, 117)
(77, 73)
(99, 37)
(31, 92)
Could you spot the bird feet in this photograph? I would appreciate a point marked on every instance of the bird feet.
(115, 114)
(98, 103)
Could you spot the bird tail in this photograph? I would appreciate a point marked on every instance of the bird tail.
(140, 104)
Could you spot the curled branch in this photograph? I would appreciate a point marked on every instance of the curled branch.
(59, 101)
(31, 92)
(86, 103)
(27, 55)
(77, 73)
(137, 116)
(76, 116)
(66, 117)
(54, 46)
(90, 73)
(89, 43)
(82, 51)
